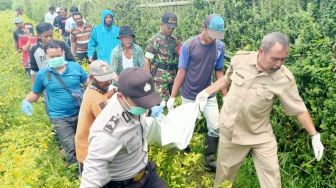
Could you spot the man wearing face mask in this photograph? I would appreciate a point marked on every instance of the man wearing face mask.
(161, 55)
(256, 79)
(37, 55)
(58, 79)
(117, 153)
(127, 54)
(94, 100)
(104, 37)
(202, 56)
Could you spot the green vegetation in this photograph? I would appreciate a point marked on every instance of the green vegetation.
(29, 155)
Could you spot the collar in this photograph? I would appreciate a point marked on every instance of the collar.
(94, 87)
(252, 60)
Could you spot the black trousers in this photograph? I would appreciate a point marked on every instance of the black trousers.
(150, 180)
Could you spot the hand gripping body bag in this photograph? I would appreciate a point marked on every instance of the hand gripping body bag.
(175, 129)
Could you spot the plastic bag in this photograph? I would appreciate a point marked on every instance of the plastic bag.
(175, 129)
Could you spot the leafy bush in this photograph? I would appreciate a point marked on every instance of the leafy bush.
(311, 29)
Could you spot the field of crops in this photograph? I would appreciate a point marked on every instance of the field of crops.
(29, 156)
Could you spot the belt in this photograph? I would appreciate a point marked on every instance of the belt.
(166, 66)
(137, 178)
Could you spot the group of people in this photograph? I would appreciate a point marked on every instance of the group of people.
(105, 132)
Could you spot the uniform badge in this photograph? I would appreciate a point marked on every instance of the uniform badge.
(109, 128)
(126, 117)
(147, 87)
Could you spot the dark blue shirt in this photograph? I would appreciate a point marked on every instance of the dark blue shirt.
(199, 61)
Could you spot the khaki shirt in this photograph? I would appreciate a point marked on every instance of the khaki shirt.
(117, 146)
(245, 115)
(92, 104)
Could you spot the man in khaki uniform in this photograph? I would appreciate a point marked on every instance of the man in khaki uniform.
(256, 79)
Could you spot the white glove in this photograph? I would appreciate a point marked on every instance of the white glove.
(317, 146)
(170, 104)
(202, 99)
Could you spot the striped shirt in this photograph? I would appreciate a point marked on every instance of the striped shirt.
(81, 37)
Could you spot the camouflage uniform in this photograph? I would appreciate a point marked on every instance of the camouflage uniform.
(162, 52)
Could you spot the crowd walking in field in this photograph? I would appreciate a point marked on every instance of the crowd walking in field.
(99, 116)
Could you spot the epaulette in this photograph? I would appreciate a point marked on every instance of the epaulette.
(243, 52)
(287, 73)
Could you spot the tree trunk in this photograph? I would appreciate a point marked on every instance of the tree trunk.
(254, 3)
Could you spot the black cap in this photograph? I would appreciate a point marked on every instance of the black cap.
(126, 31)
(138, 84)
(170, 19)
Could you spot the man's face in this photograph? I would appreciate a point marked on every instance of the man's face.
(52, 11)
(126, 41)
(208, 38)
(108, 20)
(166, 30)
(77, 19)
(54, 52)
(272, 60)
(46, 36)
(62, 13)
(27, 29)
(102, 85)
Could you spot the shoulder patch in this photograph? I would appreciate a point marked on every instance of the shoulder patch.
(111, 124)
(108, 128)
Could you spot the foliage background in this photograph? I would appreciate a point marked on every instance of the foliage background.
(310, 26)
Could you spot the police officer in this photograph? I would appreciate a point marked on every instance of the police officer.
(256, 79)
(117, 153)
(161, 55)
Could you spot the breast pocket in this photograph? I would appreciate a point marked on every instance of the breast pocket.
(238, 78)
(263, 99)
(133, 142)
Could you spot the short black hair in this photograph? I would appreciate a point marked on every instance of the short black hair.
(77, 13)
(43, 27)
(74, 9)
(64, 8)
(28, 24)
(51, 8)
(52, 44)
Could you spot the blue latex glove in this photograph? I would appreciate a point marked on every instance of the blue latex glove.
(27, 107)
(156, 111)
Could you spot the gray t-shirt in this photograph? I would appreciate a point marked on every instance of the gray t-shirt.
(199, 61)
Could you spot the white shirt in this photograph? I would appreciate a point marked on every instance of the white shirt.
(49, 18)
(126, 63)
(70, 23)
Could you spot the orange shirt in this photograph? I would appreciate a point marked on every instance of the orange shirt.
(92, 104)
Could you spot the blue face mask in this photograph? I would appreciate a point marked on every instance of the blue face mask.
(135, 110)
(56, 62)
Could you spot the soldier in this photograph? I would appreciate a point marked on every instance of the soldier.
(256, 79)
(117, 154)
(161, 55)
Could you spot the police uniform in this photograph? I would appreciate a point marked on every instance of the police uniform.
(245, 118)
(162, 52)
(117, 153)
